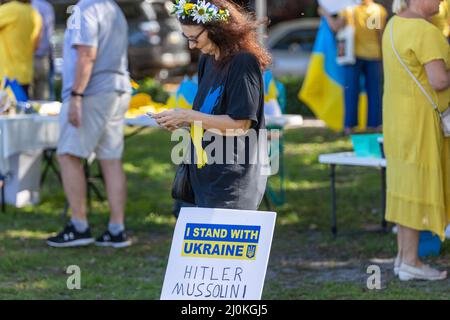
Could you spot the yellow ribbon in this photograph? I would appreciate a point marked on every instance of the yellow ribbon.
(197, 138)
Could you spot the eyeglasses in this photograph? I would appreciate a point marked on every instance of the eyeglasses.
(194, 39)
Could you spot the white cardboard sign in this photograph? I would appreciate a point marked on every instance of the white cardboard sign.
(336, 6)
(219, 254)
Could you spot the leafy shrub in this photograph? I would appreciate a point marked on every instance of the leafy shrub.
(293, 104)
(154, 89)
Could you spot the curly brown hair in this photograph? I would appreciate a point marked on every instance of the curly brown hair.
(237, 34)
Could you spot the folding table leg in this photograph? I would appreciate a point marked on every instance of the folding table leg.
(333, 200)
(267, 202)
(383, 199)
(2, 181)
(87, 174)
(91, 188)
(65, 212)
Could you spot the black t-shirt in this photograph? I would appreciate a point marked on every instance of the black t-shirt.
(237, 90)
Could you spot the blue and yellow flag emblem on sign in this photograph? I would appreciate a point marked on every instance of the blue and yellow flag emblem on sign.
(221, 241)
(251, 250)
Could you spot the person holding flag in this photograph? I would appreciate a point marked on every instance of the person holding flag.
(368, 21)
(333, 91)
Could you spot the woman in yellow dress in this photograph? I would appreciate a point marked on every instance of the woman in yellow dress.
(417, 153)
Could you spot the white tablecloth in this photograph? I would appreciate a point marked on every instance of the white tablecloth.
(287, 121)
(23, 137)
(23, 133)
(350, 159)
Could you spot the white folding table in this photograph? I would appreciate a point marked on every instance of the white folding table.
(22, 138)
(350, 159)
(22, 133)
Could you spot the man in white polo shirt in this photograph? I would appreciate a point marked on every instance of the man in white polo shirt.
(96, 94)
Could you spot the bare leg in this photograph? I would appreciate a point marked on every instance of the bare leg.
(116, 188)
(399, 246)
(409, 241)
(74, 183)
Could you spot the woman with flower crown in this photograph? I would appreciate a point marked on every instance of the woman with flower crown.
(229, 105)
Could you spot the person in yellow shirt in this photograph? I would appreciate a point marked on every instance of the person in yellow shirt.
(20, 29)
(442, 19)
(368, 20)
(416, 60)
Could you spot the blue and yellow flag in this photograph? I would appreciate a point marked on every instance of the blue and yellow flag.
(14, 89)
(185, 94)
(323, 87)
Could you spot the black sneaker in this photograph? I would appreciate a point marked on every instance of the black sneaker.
(107, 239)
(70, 237)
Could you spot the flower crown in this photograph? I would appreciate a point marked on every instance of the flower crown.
(201, 12)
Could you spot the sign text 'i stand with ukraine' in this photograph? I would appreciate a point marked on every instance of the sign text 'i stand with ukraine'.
(219, 254)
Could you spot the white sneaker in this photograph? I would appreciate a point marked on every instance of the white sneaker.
(407, 272)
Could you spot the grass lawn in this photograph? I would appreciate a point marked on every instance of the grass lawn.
(305, 263)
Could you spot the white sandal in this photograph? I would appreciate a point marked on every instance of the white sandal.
(425, 272)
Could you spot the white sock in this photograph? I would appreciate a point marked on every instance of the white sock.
(116, 228)
(80, 225)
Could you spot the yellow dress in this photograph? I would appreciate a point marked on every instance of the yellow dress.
(417, 153)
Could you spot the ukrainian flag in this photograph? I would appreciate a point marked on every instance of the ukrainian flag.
(14, 90)
(185, 95)
(323, 87)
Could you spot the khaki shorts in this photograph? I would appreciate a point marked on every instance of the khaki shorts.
(102, 127)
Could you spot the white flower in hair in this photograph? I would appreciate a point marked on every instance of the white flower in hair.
(213, 9)
(202, 13)
(179, 8)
